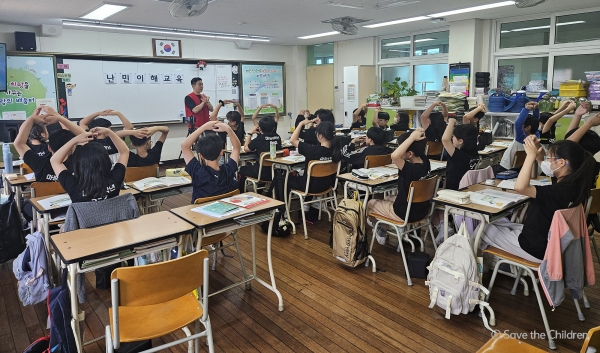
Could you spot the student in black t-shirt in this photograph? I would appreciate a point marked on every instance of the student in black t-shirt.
(94, 120)
(92, 177)
(381, 119)
(412, 165)
(309, 135)
(460, 144)
(372, 146)
(37, 140)
(235, 120)
(548, 122)
(210, 179)
(41, 165)
(359, 118)
(266, 133)
(401, 121)
(570, 167)
(257, 111)
(141, 140)
(434, 122)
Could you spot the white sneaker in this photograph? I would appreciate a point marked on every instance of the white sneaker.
(380, 234)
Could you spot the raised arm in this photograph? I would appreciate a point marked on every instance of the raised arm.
(206, 100)
(255, 115)
(417, 135)
(444, 111)
(519, 133)
(215, 112)
(580, 132)
(295, 139)
(470, 115)
(23, 135)
(164, 131)
(276, 112)
(582, 110)
(66, 123)
(117, 141)
(559, 114)
(356, 114)
(424, 118)
(240, 110)
(447, 137)
(58, 157)
(88, 119)
(127, 125)
(249, 138)
(375, 121)
(186, 145)
(235, 142)
(522, 184)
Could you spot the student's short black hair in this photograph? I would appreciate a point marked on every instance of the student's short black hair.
(59, 138)
(377, 135)
(544, 117)
(532, 122)
(417, 147)
(383, 116)
(467, 133)
(137, 142)
(234, 116)
(37, 129)
(325, 115)
(267, 125)
(195, 79)
(99, 122)
(478, 115)
(209, 146)
(590, 141)
(361, 113)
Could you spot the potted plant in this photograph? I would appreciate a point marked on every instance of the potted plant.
(395, 90)
(407, 95)
(388, 91)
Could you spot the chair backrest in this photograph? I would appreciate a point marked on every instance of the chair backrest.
(424, 190)
(399, 133)
(264, 163)
(519, 159)
(139, 173)
(138, 284)
(216, 197)
(378, 161)
(593, 204)
(320, 169)
(592, 339)
(359, 128)
(25, 169)
(41, 189)
(434, 148)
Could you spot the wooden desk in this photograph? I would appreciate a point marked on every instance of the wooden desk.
(16, 185)
(498, 181)
(287, 166)
(491, 149)
(83, 244)
(207, 226)
(368, 186)
(154, 197)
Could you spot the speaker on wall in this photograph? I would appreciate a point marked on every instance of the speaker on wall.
(25, 41)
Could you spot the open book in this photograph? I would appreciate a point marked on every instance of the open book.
(437, 165)
(217, 209)
(510, 183)
(58, 201)
(378, 172)
(246, 201)
(153, 183)
(299, 158)
(494, 198)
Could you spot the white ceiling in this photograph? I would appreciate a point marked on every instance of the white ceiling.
(281, 20)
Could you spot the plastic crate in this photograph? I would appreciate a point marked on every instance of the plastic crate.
(576, 93)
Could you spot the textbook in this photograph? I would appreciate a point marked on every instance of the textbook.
(293, 158)
(374, 173)
(217, 209)
(245, 201)
(510, 183)
(153, 183)
(437, 165)
(58, 201)
(494, 198)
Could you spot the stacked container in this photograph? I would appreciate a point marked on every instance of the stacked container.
(594, 78)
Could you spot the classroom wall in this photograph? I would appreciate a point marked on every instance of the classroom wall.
(470, 42)
(139, 45)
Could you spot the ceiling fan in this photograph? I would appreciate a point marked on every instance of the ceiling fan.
(528, 3)
(182, 9)
(345, 25)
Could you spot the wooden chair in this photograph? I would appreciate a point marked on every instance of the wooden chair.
(518, 159)
(593, 207)
(434, 148)
(420, 191)
(359, 128)
(154, 300)
(139, 173)
(316, 169)
(502, 343)
(378, 161)
(529, 268)
(592, 339)
(41, 189)
(399, 133)
(262, 163)
(217, 240)
(25, 169)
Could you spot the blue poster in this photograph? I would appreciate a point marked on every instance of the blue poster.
(262, 87)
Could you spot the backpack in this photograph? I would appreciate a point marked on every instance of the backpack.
(12, 242)
(453, 278)
(31, 270)
(281, 226)
(62, 339)
(349, 239)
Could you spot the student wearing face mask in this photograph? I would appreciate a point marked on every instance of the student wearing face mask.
(571, 170)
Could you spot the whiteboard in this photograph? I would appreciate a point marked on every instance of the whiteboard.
(144, 92)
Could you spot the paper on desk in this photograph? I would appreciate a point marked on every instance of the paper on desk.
(29, 176)
(500, 143)
(437, 165)
(510, 183)
(293, 158)
(57, 201)
(18, 163)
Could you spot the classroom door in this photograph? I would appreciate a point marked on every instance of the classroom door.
(319, 81)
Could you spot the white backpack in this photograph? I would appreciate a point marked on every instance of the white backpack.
(453, 278)
(31, 270)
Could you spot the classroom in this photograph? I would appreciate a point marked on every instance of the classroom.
(308, 176)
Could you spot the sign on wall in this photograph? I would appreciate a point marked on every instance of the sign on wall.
(262, 85)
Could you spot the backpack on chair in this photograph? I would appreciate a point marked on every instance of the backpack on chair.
(453, 278)
(349, 238)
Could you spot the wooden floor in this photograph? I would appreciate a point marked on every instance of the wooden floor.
(328, 307)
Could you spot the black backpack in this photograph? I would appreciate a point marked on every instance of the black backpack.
(12, 241)
(281, 226)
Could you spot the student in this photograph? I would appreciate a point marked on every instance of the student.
(525, 125)
(412, 165)
(309, 135)
(434, 123)
(41, 165)
(359, 118)
(548, 123)
(94, 120)
(141, 140)
(570, 167)
(266, 133)
(381, 119)
(401, 121)
(255, 115)
(372, 146)
(91, 177)
(303, 115)
(473, 115)
(210, 179)
(37, 139)
(235, 119)
(460, 144)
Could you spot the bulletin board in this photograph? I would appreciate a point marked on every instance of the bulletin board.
(30, 82)
(459, 79)
(263, 84)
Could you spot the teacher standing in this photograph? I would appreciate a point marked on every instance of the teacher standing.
(197, 104)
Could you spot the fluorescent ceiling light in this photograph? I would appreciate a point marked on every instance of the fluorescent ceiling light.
(405, 20)
(570, 23)
(104, 12)
(319, 35)
(394, 3)
(474, 8)
(169, 31)
(541, 27)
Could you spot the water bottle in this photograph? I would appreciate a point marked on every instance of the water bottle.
(273, 149)
(8, 166)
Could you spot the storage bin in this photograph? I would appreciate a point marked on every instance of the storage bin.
(574, 89)
(576, 93)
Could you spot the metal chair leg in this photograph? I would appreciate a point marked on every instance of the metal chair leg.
(237, 247)
(517, 279)
(551, 343)
(579, 313)
(371, 247)
(586, 303)
(403, 255)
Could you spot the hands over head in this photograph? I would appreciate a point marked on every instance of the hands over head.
(583, 108)
(532, 145)
(418, 134)
(85, 137)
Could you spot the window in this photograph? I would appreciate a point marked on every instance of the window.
(525, 33)
(572, 67)
(390, 73)
(432, 43)
(319, 54)
(395, 48)
(577, 28)
(518, 72)
(429, 76)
